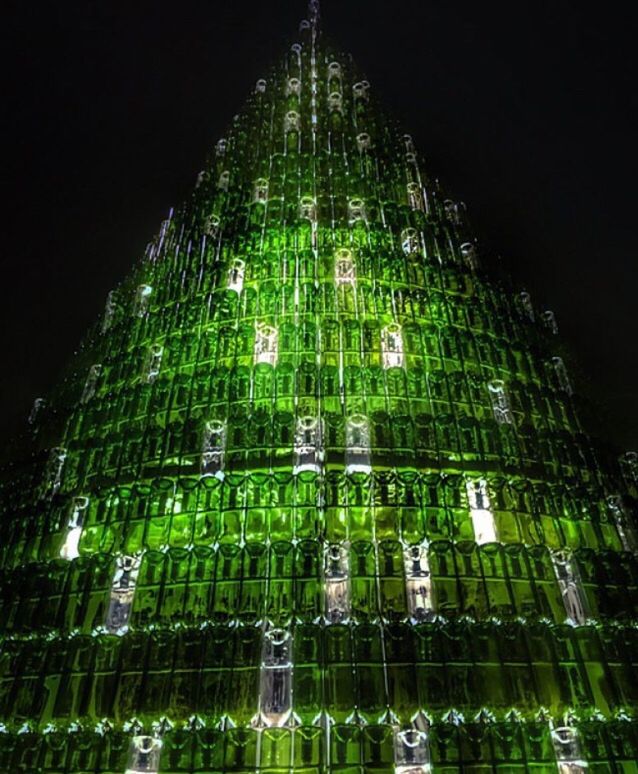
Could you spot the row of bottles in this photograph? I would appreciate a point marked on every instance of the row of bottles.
(282, 676)
(229, 508)
(287, 581)
(350, 316)
(339, 379)
(141, 448)
(536, 746)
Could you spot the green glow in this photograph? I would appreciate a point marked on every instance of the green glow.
(314, 496)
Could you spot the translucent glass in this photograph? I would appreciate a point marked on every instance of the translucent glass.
(144, 755)
(275, 690)
(412, 752)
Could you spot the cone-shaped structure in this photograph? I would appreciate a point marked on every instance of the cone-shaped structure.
(314, 496)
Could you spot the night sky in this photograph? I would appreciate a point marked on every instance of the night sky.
(523, 110)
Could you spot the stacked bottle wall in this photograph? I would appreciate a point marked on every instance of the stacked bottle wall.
(315, 495)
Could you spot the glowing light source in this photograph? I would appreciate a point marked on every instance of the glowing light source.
(266, 344)
(358, 444)
(411, 752)
(308, 449)
(567, 747)
(418, 583)
(500, 402)
(122, 593)
(144, 755)
(337, 584)
(392, 346)
(573, 594)
(275, 694)
(214, 448)
(142, 300)
(480, 510)
(236, 275)
(71, 547)
(345, 269)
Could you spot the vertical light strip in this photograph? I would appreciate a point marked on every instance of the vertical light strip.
(418, 583)
(568, 751)
(574, 599)
(70, 548)
(275, 685)
(338, 597)
(122, 593)
(480, 510)
(144, 755)
(411, 752)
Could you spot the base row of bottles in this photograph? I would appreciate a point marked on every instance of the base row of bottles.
(510, 747)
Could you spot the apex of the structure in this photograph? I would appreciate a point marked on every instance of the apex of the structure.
(314, 12)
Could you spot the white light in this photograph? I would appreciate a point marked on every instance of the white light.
(452, 211)
(260, 191)
(144, 755)
(409, 143)
(260, 86)
(308, 208)
(411, 752)
(549, 320)
(500, 402)
(91, 383)
(358, 445)
(308, 445)
(109, 311)
(71, 547)
(292, 122)
(418, 583)
(468, 252)
(293, 86)
(415, 196)
(275, 694)
(154, 362)
(623, 522)
(223, 182)
(345, 269)
(122, 592)
(335, 102)
(392, 346)
(54, 468)
(337, 584)
(410, 241)
(629, 468)
(364, 141)
(571, 589)
(211, 226)
(236, 276)
(142, 300)
(480, 510)
(356, 211)
(361, 90)
(561, 375)
(38, 405)
(266, 344)
(568, 751)
(214, 449)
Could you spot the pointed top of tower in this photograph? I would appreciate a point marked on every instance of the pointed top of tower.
(314, 12)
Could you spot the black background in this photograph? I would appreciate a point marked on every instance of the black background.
(524, 110)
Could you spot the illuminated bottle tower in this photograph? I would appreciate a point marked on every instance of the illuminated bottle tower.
(314, 496)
